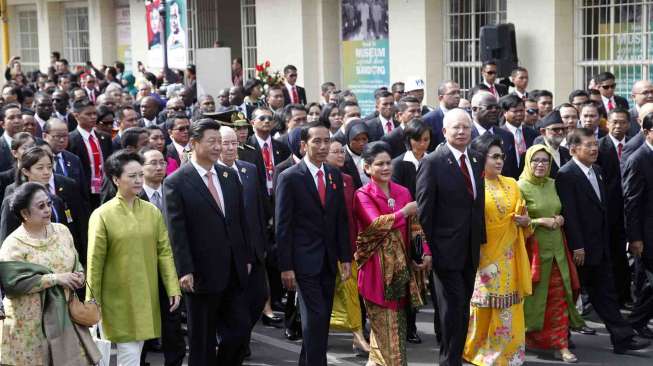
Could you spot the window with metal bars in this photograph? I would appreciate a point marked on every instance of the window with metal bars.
(615, 36)
(463, 22)
(29, 40)
(248, 26)
(75, 35)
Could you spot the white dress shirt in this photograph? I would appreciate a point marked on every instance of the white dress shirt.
(513, 130)
(410, 157)
(606, 101)
(216, 182)
(85, 136)
(456, 154)
(149, 192)
(148, 122)
(314, 169)
(384, 123)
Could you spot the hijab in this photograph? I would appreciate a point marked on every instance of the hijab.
(354, 129)
(130, 80)
(528, 174)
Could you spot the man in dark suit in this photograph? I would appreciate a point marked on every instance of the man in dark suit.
(581, 187)
(485, 112)
(253, 196)
(12, 123)
(489, 73)
(178, 126)
(606, 84)
(610, 153)
(43, 109)
(91, 147)
(237, 100)
(60, 103)
(313, 236)
(642, 93)
(637, 182)
(294, 116)
(173, 343)
(292, 93)
(408, 109)
(552, 133)
(590, 118)
(348, 111)
(449, 97)
(208, 231)
(67, 164)
(513, 115)
(149, 108)
(382, 124)
(449, 181)
(272, 151)
(127, 118)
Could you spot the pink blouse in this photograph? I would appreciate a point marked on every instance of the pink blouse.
(369, 203)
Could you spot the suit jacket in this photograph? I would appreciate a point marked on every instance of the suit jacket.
(172, 153)
(586, 216)
(404, 173)
(621, 102)
(529, 136)
(350, 169)
(633, 127)
(608, 160)
(435, 120)
(396, 140)
(7, 178)
(638, 200)
(376, 129)
(453, 221)
(510, 165)
(280, 152)
(254, 196)
(501, 89)
(74, 169)
(280, 169)
(300, 91)
(116, 143)
(631, 146)
(77, 146)
(206, 242)
(6, 158)
(308, 234)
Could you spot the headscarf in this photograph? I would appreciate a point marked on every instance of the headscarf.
(354, 129)
(527, 174)
(129, 78)
(294, 141)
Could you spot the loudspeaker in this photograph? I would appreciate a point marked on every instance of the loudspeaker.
(498, 44)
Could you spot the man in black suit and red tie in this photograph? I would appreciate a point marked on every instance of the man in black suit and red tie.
(489, 73)
(581, 186)
(205, 213)
(607, 85)
(451, 202)
(313, 236)
(292, 93)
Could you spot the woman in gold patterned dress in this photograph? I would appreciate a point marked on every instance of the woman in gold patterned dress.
(496, 333)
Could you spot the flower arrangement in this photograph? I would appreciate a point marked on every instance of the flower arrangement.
(268, 77)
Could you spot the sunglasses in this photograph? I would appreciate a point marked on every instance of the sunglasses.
(609, 86)
(490, 72)
(264, 118)
(532, 111)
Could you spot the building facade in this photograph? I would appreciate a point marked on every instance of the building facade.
(563, 43)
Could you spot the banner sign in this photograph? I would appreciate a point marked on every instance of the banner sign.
(176, 27)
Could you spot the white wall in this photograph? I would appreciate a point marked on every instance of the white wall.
(138, 31)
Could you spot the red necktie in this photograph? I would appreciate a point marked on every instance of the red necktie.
(468, 179)
(267, 159)
(620, 148)
(493, 90)
(295, 96)
(321, 187)
(610, 105)
(388, 126)
(96, 181)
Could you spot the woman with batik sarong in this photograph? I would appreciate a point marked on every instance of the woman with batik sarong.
(384, 212)
(550, 311)
(496, 323)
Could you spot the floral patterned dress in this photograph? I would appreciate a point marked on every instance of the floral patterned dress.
(496, 333)
(22, 341)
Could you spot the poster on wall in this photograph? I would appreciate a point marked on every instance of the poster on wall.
(365, 57)
(176, 26)
(123, 36)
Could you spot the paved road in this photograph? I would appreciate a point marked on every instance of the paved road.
(270, 348)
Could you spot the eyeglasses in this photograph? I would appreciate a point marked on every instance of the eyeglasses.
(532, 111)
(489, 107)
(537, 162)
(490, 72)
(155, 163)
(339, 151)
(609, 86)
(59, 137)
(645, 92)
(43, 204)
(264, 118)
(556, 129)
(230, 143)
(497, 156)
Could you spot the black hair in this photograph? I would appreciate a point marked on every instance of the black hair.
(287, 110)
(575, 136)
(28, 159)
(154, 127)
(510, 101)
(120, 113)
(120, 66)
(103, 111)
(326, 112)
(537, 94)
(488, 62)
(170, 122)
(250, 84)
(604, 76)
(289, 68)
(414, 131)
(647, 123)
(305, 131)
(482, 144)
(115, 164)
(588, 104)
(198, 128)
(130, 137)
(20, 139)
(326, 85)
(344, 104)
(80, 105)
(402, 105)
(577, 93)
(620, 110)
(22, 198)
(517, 69)
(383, 93)
(15, 90)
(371, 150)
(396, 85)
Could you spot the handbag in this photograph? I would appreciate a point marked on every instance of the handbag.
(416, 240)
(87, 313)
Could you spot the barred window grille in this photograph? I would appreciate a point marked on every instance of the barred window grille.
(248, 26)
(202, 25)
(615, 36)
(29, 40)
(463, 22)
(75, 33)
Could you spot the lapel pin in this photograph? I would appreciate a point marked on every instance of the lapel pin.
(67, 163)
(333, 186)
(243, 170)
(344, 184)
(449, 160)
(225, 174)
(473, 159)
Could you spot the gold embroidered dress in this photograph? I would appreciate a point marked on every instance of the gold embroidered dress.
(496, 325)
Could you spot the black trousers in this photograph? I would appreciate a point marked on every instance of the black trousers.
(315, 303)
(173, 343)
(643, 309)
(620, 270)
(226, 313)
(454, 292)
(257, 291)
(598, 283)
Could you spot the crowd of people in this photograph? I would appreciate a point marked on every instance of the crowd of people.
(512, 218)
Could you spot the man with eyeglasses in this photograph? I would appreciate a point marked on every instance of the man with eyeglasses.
(397, 90)
(532, 113)
(178, 126)
(292, 93)
(552, 134)
(55, 133)
(449, 98)
(606, 85)
(489, 73)
(642, 93)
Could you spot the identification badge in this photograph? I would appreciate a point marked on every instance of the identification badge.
(69, 216)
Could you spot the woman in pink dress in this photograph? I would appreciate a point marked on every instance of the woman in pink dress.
(385, 216)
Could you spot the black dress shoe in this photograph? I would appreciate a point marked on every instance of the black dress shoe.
(271, 321)
(628, 305)
(571, 344)
(585, 330)
(291, 335)
(632, 345)
(644, 332)
(413, 337)
(277, 306)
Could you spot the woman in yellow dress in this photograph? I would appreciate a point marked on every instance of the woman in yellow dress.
(496, 333)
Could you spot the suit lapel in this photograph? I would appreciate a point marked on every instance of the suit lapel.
(588, 186)
(198, 181)
(455, 169)
(310, 183)
(225, 184)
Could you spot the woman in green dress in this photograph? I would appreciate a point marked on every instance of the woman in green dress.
(550, 311)
(128, 249)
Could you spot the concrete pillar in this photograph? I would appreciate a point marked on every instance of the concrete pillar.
(416, 36)
(545, 43)
(102, 31)
(138, 32)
